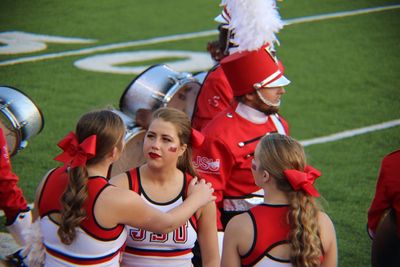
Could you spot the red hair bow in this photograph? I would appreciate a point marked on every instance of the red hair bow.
(197, 138)
(74, 153)
(304, 180)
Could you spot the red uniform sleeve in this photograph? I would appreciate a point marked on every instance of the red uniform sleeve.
(387, 194)
(12, 200)
(379, 204)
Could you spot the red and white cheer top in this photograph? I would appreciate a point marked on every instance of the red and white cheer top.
(93, 245)
(271, 228)
(148, 249)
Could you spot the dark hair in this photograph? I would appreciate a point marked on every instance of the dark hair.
(224, 38)
(277, 153)
(109, 130)
(182, 124)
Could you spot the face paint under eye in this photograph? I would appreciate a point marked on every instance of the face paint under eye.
(173, 149)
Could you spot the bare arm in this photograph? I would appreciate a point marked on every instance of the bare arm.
(328, 238)
(120, 206)
(207, 236)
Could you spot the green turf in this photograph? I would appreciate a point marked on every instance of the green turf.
(350, 168)
(344, 75)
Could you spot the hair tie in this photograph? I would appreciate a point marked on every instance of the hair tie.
(197, 138)
(303, 180)
(74, 153)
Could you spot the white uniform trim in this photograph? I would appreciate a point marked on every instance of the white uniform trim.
(251, 114)
(147, 249)
(84, 248)
(278, 124)
(267, 262)
(267, 80)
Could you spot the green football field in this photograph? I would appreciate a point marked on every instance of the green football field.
(344, 66)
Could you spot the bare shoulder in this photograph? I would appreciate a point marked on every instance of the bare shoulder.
(324, 220)
(240, 232)
(120, 180)
(327, 229)
(239, 227)
(240, 222)
(116, 196)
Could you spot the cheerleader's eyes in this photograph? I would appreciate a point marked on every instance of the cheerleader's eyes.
(150, 135)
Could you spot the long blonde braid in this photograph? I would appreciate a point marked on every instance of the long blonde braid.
(276, 154)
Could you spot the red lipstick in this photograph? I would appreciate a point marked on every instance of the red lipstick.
(154, 155)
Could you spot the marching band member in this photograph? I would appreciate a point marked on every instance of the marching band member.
(257, 81)
(225, 158)
(12, 201)
(215, 94)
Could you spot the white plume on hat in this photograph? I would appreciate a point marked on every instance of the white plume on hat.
(254, 22)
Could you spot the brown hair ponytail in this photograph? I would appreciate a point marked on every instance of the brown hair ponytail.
(109, 130)
(73, 213)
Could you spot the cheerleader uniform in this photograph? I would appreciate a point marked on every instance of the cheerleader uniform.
(93, 245)
(148, 249)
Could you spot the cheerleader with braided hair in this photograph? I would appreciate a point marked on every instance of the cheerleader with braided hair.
(289, 228)
(81, 215)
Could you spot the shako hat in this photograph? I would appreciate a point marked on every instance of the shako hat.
(247, 71)
(254, 64)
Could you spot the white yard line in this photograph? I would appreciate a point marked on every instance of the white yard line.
(339, 14)
(103, 48)
(185, 36)
(350, 133)
(334, 137)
